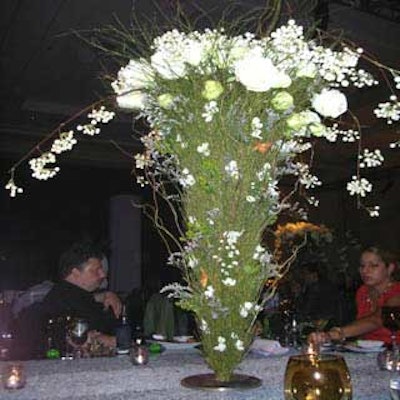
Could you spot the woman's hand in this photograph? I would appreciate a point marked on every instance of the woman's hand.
(335, 334)
(318, 338)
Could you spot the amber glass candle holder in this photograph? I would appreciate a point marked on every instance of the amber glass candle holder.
(317, 377)
(14, 376)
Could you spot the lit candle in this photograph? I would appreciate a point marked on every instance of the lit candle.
(311, 349)
(139, 355)
(14, 377)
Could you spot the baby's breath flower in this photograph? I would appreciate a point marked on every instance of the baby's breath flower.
(210, 109)
(373, 211)
(101, 115)
(186, 178)
(245, 308)
(389, 110)
(239, 345)
(13, 188)
(221, 346)
(209, 292)
(229, 281)
(65, 142)
(204, 149)
(232, 169)
(38, 166)
(359, 186)
(371, 159)
(89, 129)
(256, 128)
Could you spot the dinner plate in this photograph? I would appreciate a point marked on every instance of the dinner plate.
(358, 349)
(367, 344)
(176, 345)
(183, 339)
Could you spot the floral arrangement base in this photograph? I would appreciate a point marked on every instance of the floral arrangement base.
(210, 382)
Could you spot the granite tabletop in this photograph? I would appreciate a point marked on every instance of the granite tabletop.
(115, 378)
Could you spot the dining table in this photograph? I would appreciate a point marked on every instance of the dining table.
(117, 378)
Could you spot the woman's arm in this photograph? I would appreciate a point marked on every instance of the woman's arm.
(359, 327)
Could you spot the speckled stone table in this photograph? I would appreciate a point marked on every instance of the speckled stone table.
(116, 378)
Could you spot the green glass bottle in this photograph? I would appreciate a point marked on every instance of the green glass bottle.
(52, 352)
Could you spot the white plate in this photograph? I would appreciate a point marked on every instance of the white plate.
(177, 345)
(183, 339)
(368, 344)
(359, 349)
(157, 336)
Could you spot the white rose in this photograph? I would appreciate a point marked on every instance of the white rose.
(137, 74)
(330, 103)
(132, 101)
(168, 65)
(193, 53)
(281, 80)
(256, 72)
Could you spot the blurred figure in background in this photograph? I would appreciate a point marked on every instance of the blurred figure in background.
(318, 299)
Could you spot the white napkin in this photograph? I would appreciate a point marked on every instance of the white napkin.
(267, 347)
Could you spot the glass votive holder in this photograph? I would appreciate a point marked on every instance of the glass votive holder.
(388, 360)
(394, 387)
(139, 354)
(14, 376)
(317, 376)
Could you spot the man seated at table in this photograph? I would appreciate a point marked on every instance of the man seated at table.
(81, 274)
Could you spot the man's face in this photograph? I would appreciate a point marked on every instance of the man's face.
(91, 276)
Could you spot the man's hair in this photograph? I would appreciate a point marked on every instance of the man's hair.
(76, 256)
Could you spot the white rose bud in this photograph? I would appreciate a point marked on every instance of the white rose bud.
(165, 100)
(282, 101)
(296, 121)
(212, 90)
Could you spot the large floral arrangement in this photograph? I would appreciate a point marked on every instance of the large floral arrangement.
(230, 115)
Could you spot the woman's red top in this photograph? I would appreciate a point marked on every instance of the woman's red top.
(365, 307)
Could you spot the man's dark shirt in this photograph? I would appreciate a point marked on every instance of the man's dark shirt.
(64, 299)
(68, 299)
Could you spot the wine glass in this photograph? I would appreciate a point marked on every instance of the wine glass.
(77, 335)
(312, 376)
(391, 320)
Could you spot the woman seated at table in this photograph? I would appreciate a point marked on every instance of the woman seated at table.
(379, 288)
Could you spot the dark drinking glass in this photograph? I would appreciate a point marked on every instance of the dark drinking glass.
(391, 318)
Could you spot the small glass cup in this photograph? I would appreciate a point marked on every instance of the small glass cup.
(139, 354)
(388, 360)
(14, 377)
(395, 388)
(317, 376)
